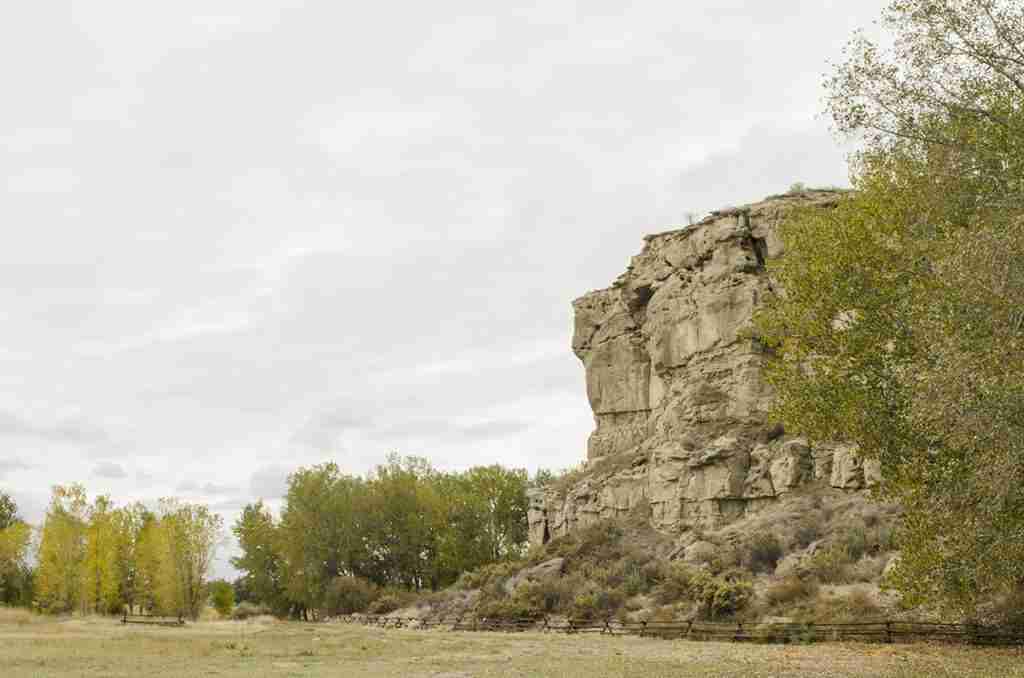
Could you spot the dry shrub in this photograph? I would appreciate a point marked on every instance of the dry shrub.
(248, 610)
(208, 614)
(868, 568)
(390, 600)
(854, 606)
(16, 616)
(790, 590)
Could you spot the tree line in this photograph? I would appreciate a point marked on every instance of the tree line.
(406, 525)
(95, 557)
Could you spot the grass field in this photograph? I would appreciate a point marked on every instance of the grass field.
(103, 647)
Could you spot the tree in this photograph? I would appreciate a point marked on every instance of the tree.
(128, 525)
(260, 561)
(101, 590)
(222, 597)
(62, 550)
(186, 538)
(15, 539)
(8, 511)
(321, 533)
(916, 353)
(403, 521)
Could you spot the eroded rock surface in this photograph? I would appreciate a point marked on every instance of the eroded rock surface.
(678, 393)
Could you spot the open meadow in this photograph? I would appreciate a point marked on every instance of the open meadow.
(32, 646)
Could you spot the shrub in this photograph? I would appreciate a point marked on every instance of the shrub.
(596, 603)
(790, 590)
(718, 596)
(508, 608)
(762, 553)
(389, 601)
(830, 565)
(347, 595)
(550, 595)
(488, 575)
(675, 585)
(854, 541)
(854, 606)
(222, 597)
(248, 610)
(806, 533)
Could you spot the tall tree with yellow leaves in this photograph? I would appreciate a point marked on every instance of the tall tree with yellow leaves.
(62, 550)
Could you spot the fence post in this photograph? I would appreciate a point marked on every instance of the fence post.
(689, 627)
(739, 631)
(888, 631)
(643, 628)
(547, 624)
(572, 627)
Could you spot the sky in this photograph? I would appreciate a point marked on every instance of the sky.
(242, 236)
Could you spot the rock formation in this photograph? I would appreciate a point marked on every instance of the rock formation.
(678, 393)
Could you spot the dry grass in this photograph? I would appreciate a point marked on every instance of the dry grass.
(230, 649)
(16, 617)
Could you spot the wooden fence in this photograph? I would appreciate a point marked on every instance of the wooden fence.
(152, 620)
(885, 631)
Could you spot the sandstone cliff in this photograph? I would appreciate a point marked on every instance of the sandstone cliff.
(678, 394)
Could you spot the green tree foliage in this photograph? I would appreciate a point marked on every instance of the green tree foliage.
(900, 327)
(261, 560)
(405, 525)
(15, 540)
(8, 511)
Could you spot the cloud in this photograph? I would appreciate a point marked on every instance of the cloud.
(12, 465)
(62, 431)
(207, 488)
(269, 482)
(109, 469)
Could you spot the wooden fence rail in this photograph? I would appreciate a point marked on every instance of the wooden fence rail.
(883, 631)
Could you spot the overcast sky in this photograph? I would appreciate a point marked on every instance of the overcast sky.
(241, 236)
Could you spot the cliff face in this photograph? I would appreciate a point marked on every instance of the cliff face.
(679, 398)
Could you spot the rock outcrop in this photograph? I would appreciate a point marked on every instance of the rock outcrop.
(678, 392)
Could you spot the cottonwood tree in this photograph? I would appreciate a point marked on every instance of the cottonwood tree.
(101, 591)
(15, 540)
(260, 561)
(128, 524)
(899, 326)
(62, 549)
(187, 536)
